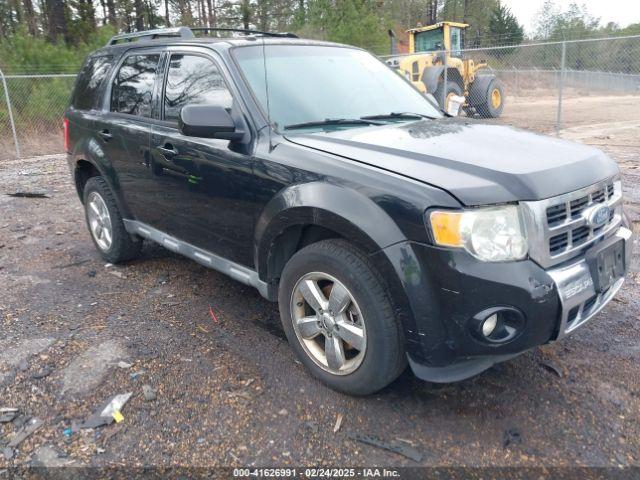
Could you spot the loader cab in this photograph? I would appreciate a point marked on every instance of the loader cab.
(440, 36)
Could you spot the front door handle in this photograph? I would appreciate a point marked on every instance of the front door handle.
(168, 150)
(106, 135)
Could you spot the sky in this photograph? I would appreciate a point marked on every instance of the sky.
(623, 12)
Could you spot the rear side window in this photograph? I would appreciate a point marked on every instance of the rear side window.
(91, 76)
(193, 80)
(132, 89)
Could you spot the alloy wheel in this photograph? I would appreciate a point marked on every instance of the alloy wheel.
(328, 323)
(99, 221)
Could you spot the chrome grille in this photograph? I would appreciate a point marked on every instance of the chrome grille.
(558, 229)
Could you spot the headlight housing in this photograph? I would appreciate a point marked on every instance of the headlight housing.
(494, 234)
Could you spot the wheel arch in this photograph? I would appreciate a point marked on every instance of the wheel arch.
(83, 171)
(304, 213)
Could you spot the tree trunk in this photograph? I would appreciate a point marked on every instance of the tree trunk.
(31, 17)
(57, 25)
(246, 14)
(167, 20)
(111, 7)
(210, 14)
(139, 13)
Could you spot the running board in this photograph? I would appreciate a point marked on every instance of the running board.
(208, 259)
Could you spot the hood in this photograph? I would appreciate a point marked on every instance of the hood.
(476, 162)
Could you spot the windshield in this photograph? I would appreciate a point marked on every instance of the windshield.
(429, 41)
(317, 83)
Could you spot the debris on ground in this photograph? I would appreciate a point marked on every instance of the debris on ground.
(404, 450)
(49, 458)
(135, 375)
(8, 414)
(283, 412)
(45, 372)
(29, 195)
(124, 365)
(149, 393)
(511, 437)
(108, 412)
(213, 315)
(550, 367)
(25, 432)
(116, 273)
(336, 427)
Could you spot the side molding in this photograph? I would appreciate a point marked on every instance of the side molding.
(237, 272)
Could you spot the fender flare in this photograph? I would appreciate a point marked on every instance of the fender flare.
(478, 89)
(91, 152)
(430, 76)
(336, 208)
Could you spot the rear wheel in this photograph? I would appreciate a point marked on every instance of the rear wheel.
(339, 319)
(493, 101)
(452, 89)
(105, 223)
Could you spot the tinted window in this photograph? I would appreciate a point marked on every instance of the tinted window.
(193, 80)
(133, 86)
(93, 72)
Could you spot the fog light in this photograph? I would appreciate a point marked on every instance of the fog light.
(489, 325)
(497, 325)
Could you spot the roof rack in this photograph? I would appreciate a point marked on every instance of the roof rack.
(245, 31)
(186, 32)
(182, 32)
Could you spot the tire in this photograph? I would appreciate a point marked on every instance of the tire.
(489, 108)
(452, 88)
(382, 356)
(122, 246)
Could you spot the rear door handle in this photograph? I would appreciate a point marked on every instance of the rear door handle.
(168, 150)
(106, 136)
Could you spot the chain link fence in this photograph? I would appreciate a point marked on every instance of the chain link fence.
(556, 87)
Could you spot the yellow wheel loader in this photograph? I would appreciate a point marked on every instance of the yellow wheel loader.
(435, 47)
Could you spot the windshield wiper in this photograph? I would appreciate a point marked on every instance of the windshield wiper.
(394, 115)
(334, 121)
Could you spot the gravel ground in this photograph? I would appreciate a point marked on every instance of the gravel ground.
(75, 332)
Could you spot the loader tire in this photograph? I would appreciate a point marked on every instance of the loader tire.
(452, 89)
(493, 101)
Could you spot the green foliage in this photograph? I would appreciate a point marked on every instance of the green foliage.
(355, 22)
(23, 53)
(504, 27)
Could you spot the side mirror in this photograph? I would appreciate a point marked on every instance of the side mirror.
(209, 121)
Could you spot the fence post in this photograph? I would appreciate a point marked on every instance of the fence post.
(444, 86)
(13, 125)
(560, 85)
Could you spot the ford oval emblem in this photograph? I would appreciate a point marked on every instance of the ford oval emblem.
(598, 216)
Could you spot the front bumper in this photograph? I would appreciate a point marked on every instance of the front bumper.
(578, 297)
(446, 288)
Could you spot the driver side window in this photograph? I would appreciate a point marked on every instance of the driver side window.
(193, 80)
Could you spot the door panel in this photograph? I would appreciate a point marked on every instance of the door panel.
(203, 187)
(204, 193)
(125, 131)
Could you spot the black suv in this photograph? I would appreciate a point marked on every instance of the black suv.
(387, 231)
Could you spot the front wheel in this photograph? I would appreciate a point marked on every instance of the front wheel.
(339, 319)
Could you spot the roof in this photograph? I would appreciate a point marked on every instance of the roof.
(438, 25)
(185, 36)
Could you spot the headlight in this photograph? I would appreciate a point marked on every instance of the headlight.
(490, 234)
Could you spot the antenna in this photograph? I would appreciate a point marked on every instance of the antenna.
(266, 90)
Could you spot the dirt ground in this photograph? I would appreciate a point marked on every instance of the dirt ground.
(229, 392)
